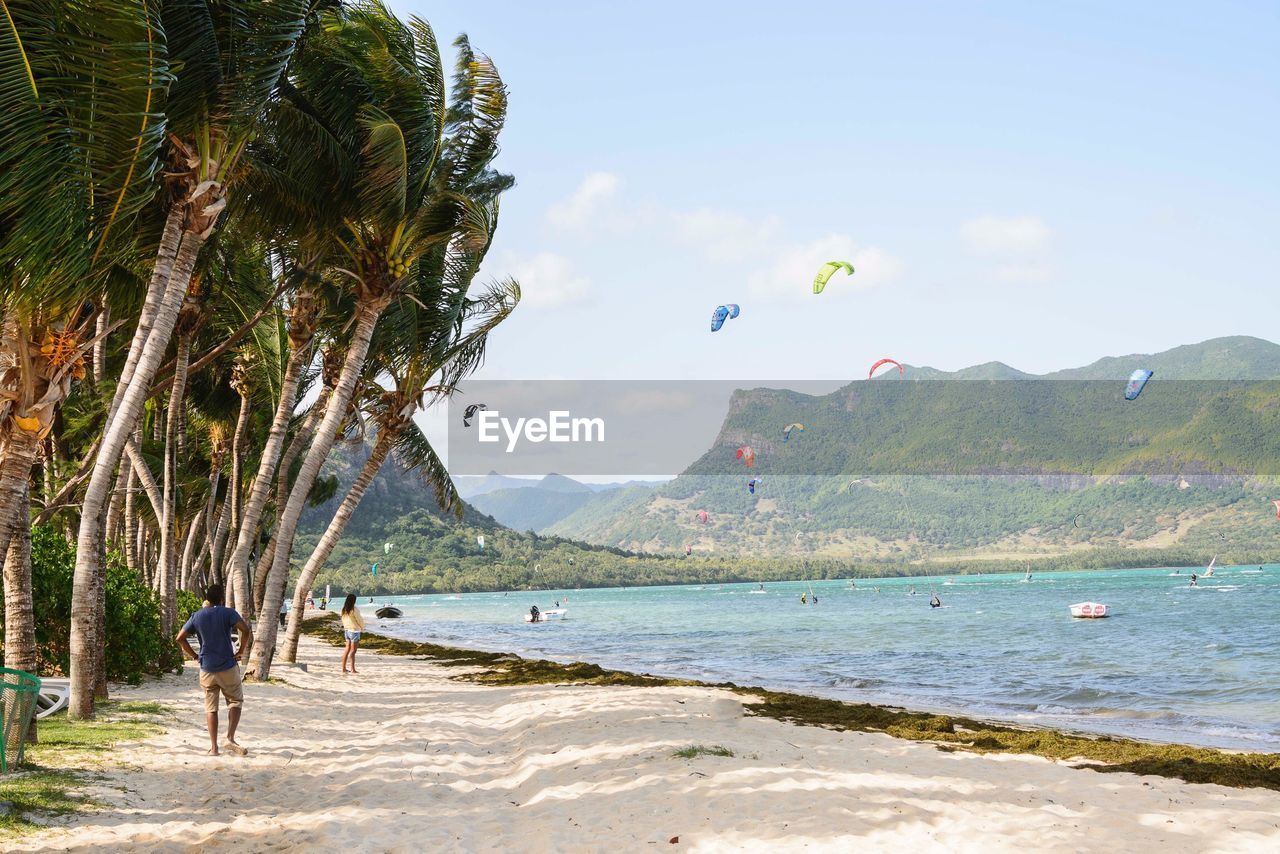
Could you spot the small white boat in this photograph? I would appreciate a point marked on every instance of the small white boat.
(1089, 610)
(544, 616)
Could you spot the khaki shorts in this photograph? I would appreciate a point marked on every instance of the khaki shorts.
(225, 682)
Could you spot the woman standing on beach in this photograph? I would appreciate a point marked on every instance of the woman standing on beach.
(353, 626)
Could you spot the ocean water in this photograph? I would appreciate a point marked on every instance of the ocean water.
(1173, 663)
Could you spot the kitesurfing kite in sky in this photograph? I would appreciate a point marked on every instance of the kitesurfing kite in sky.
(827, 271)
(753, 483)
(786, 431)
(723, 313)
(1277, 504)
(1137, 382)
(747, 454)
(470, 412)
(871, 373)
(701, 516)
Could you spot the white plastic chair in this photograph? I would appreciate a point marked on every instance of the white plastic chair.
(53, 697)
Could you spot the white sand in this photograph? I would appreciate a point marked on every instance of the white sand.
(401, 758)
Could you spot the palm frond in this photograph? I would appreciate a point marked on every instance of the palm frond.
(413, 451)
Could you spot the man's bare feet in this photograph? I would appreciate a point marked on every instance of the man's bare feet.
(213, 751)
(236, 749)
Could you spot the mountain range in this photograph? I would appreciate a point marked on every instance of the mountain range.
(888, 475)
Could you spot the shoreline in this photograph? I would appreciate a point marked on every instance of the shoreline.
(993, 718)
(1098, 752)
(413, 755)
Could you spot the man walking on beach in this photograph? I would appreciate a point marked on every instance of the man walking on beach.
(219, 662)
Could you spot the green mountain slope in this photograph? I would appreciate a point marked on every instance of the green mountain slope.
(531, 509)
(928, 471)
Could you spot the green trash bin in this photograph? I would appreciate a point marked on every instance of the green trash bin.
(18, 692)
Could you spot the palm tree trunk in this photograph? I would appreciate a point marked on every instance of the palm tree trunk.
(115, 507)
(300, 443)
(19, 608)
(169, 283)
(100, 345)
(367, 314)
(169, 516)
(237, 575)
(218, 540)
(332, 534)
(271, 452)
(17, 457)
(189, 550)
(262, 569)
(130, 520)
(145, 477)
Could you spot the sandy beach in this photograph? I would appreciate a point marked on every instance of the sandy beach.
(401, 758)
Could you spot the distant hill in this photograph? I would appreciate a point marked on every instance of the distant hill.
(531, 509)
(1237, 357)
(903, 471)
(536, 505)
(469, 486)
(851, 523)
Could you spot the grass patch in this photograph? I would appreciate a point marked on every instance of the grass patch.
(693, 751)
(1183, 762)
(55, 767)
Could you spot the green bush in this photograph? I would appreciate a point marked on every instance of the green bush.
(188, 604)
(135, 646)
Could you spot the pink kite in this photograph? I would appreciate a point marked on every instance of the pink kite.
(872, 372)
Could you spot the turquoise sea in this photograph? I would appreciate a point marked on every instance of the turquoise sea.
(1173, 663)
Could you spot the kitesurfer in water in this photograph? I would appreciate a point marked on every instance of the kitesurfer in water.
(934, 601)
(534, 614)
(1194, 579)
(803, 600)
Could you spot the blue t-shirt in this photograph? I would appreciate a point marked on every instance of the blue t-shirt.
(213, 626)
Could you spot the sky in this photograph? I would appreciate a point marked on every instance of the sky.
(1039, 184)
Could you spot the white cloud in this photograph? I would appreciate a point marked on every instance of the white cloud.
(547, 279)
(723, 236)
(989, 234)
(585, 202)
(794, 265)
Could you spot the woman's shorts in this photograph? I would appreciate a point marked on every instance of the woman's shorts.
(352, 636)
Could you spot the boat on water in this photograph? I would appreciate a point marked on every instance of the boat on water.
(536, 616)
(1089, 610)
(389, 612)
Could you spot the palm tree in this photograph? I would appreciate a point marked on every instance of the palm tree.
(448, 346)
(303, 320)
(416, 181)
(231, 55)
(81, 90)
